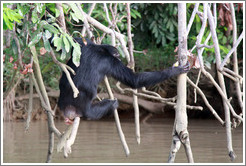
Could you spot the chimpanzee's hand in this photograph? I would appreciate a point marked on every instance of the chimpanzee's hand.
(186, 67)
(182, 69)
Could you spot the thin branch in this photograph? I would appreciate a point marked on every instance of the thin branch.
(61, 18)
(230, 76)
(192, 18)
(111, 96)
(163, 100)
(233, 73)
(231, 51)
(30, 104)
(70, 141)
(89, 13)
(235, 61)
(201, 33)
(206, 101)
(197, 81)
(208, 75)
(223, 88)
(107, 30)
(117, 120)
(131, 64)
(85, 21)
(64, 68)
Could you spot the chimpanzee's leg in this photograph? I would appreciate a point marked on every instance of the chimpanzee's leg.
(100, 109)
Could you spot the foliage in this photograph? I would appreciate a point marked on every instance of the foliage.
(158, 22)
(9, 16)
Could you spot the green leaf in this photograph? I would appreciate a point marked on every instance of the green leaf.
(224, 40)
(57, 13)
(50, 28)
(63, 54)
(76, 11)
(71, 40)
(47, 34)
(74, 17)
(66, 43)
(35, 39)
(76, 54)
(58, 43)
(7, 23)
(35, 16)
(46, 43)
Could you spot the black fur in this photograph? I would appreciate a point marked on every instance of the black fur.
(96, 61)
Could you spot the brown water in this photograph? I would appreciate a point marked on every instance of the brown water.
(98, 142)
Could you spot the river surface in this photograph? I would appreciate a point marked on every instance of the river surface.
(98, 142)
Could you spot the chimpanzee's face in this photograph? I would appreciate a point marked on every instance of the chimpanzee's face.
(70, 113)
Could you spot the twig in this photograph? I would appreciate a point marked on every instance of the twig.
(111, 96)
(70, 141)
(233, 73)
(229, 76)
(89, 13)
(222, 84)
(61, 18)
(117, 120)
(64, 68)
(235, 61)
(107, 30)
(52, 129)
(30, 104)
(201, 33)
(85, 21)
(192, 18)
(206, 101)
(235, 45)
(131, 64)
(163, 100)
(197, 81)
(208, 75)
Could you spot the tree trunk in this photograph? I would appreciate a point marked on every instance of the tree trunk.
(180, 132)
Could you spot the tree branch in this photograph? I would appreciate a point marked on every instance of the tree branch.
(235, 61)
(206, 101)
(235, 45)
(64, 68)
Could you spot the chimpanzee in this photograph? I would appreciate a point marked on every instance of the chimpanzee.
(97, 61)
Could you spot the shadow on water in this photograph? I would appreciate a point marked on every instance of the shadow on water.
(98, 142)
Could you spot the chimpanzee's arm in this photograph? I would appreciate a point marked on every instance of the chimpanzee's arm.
(137, 80)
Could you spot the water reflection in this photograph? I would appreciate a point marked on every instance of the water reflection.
(98, 142)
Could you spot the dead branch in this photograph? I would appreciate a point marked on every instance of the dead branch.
(64, 68)
(61, 18)
(222, 85)
(206, 101)
(192, 18)
(86, 24)
(235, 61)
(131, 64)
(89, 13)
(43, 94)
(163, 100)
(30, 104)
(235, 45)
(208, 75)
(152, 107)
(117, 120)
